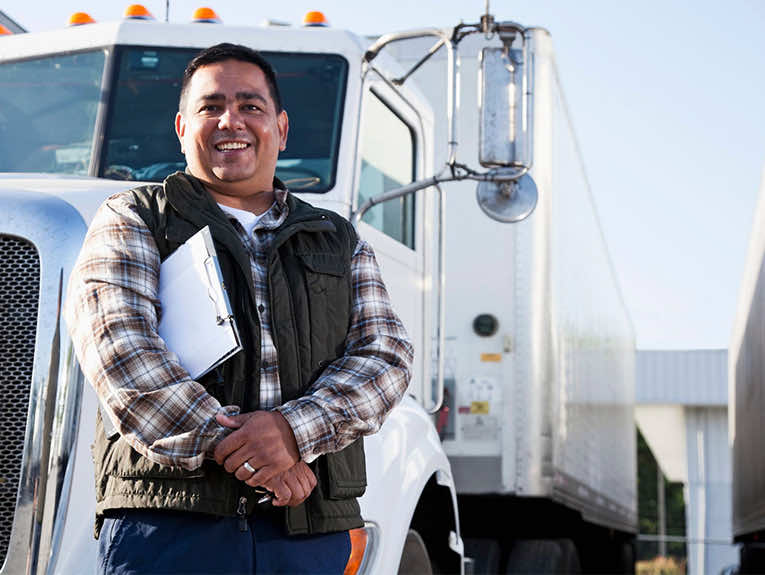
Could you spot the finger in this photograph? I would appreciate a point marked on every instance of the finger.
(282, 493)
(228, 446)
(234, 421)
(305, 484)
(309, 476)
(252, 483)
(266, 456)
(299, 492)
(264, 475)
(228, 420)
(242, 473)
(234, 461)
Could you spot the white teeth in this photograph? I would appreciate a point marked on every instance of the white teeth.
(231, 146)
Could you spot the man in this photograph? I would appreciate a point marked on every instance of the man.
(324, 360)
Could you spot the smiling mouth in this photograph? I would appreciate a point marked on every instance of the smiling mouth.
(229, 146)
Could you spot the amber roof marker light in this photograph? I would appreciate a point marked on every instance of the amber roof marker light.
(206, 15)
(137, 12)
(80, 19)
(315, 19)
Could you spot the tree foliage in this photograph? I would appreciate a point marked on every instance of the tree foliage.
(648, 518)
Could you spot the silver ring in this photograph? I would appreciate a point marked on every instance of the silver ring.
(248, 467)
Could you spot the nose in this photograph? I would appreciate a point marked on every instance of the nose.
(230, 119)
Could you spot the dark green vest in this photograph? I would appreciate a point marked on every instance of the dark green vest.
(310, 297)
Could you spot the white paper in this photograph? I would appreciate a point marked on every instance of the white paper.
(196, 321)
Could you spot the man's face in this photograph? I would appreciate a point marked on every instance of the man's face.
(230, 130)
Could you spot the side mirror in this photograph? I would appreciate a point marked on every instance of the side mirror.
(503, 128)
(505, 143)
(508, 201)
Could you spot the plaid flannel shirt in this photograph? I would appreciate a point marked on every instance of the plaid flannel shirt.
(112, 311)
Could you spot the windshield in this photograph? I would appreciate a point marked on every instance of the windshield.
(48, 110)
(49, 106)
(141, 144)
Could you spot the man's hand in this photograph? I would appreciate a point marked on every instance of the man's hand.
(291, 487)
(264, 439)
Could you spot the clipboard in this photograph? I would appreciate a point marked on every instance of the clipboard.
(196, 322)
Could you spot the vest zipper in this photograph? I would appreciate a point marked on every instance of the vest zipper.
(241, 512)
(252, 387)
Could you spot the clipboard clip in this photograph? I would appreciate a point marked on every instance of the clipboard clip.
(216, 291)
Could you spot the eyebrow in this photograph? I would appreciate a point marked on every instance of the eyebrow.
(239, 96)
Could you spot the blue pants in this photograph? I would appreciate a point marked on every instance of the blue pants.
(143, 542)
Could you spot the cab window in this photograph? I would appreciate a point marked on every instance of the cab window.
(387, 162)
(48, 110)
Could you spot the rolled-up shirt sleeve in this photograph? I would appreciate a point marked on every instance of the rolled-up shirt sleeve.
(355, 393)
(112, 312)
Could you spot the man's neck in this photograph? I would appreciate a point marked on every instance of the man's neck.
(257, 203)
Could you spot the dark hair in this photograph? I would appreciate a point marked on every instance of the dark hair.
(226, 51)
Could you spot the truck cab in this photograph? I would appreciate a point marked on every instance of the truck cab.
(88, 111)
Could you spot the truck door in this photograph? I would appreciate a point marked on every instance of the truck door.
(391, 154)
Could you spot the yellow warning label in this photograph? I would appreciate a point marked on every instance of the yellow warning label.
(491, 357)
(479, 407)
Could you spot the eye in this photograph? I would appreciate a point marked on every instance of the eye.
(252, 108)
(209, 108)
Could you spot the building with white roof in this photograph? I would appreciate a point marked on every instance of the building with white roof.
(682, 411)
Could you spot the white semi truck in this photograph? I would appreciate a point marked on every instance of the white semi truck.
(746, 388)
(432, 141)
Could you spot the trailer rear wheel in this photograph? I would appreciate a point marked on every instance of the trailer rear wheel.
(414, 557)
(752, 558)
(543, 556)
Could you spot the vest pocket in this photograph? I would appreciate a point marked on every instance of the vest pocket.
(346, 472)
(330, 264)
(123, 461)
(327, 285)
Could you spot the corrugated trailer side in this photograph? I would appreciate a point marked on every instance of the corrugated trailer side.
(746, 377)
(592, 388)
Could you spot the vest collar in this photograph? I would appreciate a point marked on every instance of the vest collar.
(188, 196)
(301, 217)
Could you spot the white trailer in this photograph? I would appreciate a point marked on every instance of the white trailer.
(746, 388)
(527, 341)
(540, 354)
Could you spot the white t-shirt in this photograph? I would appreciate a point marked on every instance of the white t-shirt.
(248, 220)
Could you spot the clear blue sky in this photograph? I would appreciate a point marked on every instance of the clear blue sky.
(668, 101)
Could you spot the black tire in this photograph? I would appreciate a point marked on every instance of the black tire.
(627, 559)
(485, 554)
(570, 556)
(752, 558)
(537, 556)
(414, 557)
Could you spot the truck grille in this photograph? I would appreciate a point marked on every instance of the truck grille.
(19, 297)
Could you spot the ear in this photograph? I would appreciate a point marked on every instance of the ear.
(180, 129)
(284, 127)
